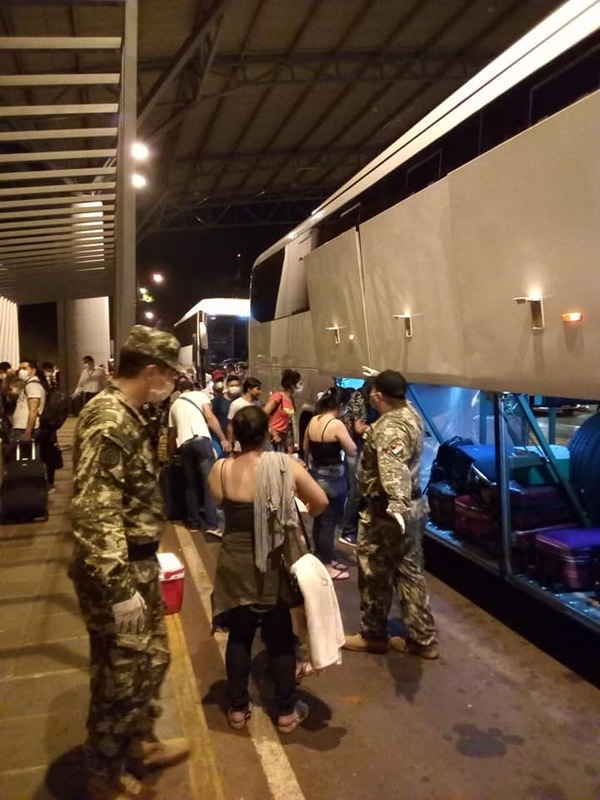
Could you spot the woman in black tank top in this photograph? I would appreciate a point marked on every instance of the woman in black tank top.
(324, 441)
(250, 597)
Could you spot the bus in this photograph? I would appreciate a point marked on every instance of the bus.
(213, 332)
(465, 256)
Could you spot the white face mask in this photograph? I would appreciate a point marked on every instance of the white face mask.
(24, 374)
(158, 395)
(234, 390)
(218, 385)
(298, 388)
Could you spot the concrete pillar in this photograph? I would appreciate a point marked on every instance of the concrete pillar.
(83, 330)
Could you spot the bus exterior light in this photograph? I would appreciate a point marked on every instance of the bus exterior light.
(572, 316)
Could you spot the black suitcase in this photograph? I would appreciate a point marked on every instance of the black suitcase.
(172, 486)
(24, 491)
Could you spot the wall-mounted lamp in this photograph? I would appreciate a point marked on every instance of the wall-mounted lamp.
(336, 333)
(536, 306)
(408, 326)
(351, 337)
(572, 316)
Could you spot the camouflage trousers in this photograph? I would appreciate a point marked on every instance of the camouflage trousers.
(389, 559)
(126, 674)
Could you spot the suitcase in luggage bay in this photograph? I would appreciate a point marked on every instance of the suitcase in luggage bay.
(172, 486)
(441, 498)
(524, 544)
(569, 558)
(481, 457)
(472, 521)
(24, 491)
(529, 465)
(538, 507)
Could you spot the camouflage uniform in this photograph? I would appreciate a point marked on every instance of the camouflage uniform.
(389, 479)
(117, 518)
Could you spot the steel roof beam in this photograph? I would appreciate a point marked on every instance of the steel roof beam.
(60, 42)
(181, 58)
(78, 79)
(57, 110)
(56, 155)
(66, 133)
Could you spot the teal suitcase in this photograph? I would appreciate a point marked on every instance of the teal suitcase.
(530, 466)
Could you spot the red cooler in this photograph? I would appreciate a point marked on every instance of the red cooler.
(172, 574)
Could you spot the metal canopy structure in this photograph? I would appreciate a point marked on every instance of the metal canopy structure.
(254, 110)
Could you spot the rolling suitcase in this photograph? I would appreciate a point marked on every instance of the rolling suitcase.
(568, 559)
(24, 491)
(529, 465)
(523, 541)
(172, 486)
(537, 507)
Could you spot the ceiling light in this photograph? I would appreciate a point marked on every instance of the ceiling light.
(139, 151)
(139, 181)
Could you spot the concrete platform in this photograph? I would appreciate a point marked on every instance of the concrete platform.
(494, 719)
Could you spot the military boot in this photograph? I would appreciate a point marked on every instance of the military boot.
(358, 643)
(157, 755)
(402, 645)
(125, 787)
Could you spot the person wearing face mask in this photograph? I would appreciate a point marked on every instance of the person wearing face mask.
(30, 401)
(91, 381)
(191, 420)
(389, 547)
(281, 409)
(252, 388)
(117, 517)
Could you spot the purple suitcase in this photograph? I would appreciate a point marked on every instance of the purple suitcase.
(441, 498)
(472, 521)
(538, 507)
(569, 557)
(523, 551)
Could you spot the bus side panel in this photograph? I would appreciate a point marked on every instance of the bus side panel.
(259, 342)
(408, 265)
(335, 290)
(526, 223)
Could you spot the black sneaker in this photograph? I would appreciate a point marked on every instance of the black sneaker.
(349, 540)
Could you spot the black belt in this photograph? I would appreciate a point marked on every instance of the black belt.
(142, 552)
(380, 502)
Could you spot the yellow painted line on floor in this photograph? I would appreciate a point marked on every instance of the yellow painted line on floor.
(275, 764)
(202, 764)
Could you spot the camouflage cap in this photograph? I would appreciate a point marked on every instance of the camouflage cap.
(153, 342)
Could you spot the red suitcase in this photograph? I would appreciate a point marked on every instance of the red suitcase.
(569, 558)
(472, 521)
(538, 507)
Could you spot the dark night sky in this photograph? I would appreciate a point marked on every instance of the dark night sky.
(203, 263)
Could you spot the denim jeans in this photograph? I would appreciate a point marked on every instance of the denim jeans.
(333, 483)
(197, 459)
(352, 507)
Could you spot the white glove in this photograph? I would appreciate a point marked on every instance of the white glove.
(399, 519)
(130, 615)
(369, 372)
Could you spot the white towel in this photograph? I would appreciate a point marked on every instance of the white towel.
(323, 618)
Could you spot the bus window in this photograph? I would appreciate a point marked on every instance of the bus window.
(264, 287)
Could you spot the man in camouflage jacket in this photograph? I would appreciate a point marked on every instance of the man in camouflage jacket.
(117, 520)
(389, 548)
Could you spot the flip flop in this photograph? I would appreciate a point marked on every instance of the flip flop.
(338, 565)
(339, 574)
(304, 670)
(239, 724)
(301, 710)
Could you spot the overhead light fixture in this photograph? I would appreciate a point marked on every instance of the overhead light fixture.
(149, 314)
(139, 151)
(158, 277)
(138, 181)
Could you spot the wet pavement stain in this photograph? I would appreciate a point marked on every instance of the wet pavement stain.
(478, 743)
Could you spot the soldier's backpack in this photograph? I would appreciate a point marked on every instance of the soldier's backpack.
(55, 411)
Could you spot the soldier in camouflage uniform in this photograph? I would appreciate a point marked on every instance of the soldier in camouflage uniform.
(389, 547)
(117, 520)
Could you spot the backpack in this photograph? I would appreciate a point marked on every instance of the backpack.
(55, 410)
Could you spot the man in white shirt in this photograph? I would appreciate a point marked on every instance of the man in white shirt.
(190, 419)
(30, 403)
(91, 381)
(251, 395)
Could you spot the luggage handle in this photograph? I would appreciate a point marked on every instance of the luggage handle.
(33, 451)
